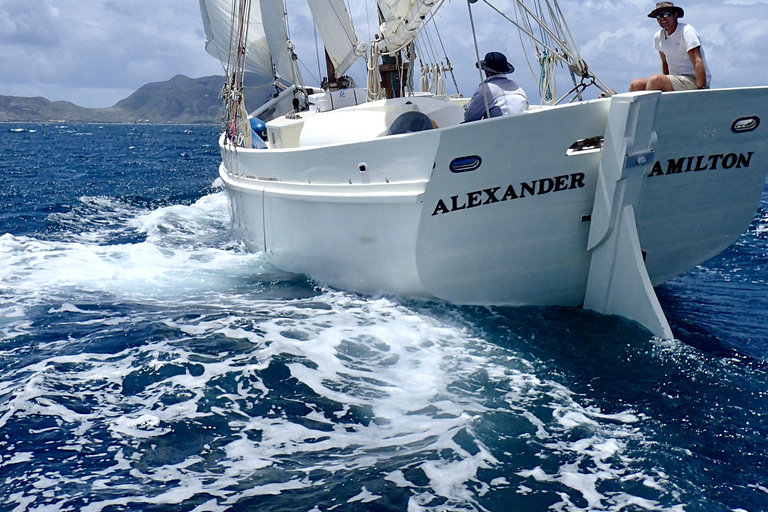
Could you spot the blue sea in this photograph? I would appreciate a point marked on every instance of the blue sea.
(149, 363)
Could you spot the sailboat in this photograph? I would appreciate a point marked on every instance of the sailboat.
(382, 189)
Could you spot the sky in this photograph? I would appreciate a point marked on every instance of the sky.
(96, 52)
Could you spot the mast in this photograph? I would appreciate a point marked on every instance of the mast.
(341, 44)
(391, 71)
(236, 122)
(332, 82)
(392, 68)
(401, 21)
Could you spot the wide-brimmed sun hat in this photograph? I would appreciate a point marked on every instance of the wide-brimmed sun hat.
(666, 6)
(496, 62)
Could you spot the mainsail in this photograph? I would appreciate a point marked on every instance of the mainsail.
(267, 50)
(335, 26)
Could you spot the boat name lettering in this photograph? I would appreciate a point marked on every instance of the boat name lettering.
(500, 194)
(702, 163)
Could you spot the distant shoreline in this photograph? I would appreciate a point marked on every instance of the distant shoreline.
(112, 123)
(180, 100)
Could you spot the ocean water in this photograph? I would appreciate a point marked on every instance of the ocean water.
(147, 362)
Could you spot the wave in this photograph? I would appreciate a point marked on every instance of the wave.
(199, 364)
(111, 247)
(323, 398)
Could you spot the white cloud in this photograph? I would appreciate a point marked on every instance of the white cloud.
(746, 2)
(97, 52)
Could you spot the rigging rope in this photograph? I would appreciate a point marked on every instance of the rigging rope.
(237, 117)
(447, 61)
(317, 52)
(411, 53)
(553, 45)
(427, 69)
(547, 86)
(477, 54)
(374, 84)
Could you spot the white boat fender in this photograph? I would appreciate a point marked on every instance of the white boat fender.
(412, 121)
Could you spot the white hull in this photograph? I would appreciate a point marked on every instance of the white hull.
(534, 223)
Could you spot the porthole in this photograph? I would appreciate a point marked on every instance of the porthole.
(745, 124)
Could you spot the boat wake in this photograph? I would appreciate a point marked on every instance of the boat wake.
(171, 367)
(356, 400)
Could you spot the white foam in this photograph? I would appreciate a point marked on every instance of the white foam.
(39, 270)
(187, 250)
(68, 308)
(365, 496)
(402, 384)
(537, 474)
(762, 226)
(585, 483)
(17, 458)
(22, 502)
(205, 219)
(572, 419)
(398, 478)
(144, 426)
(450, 479)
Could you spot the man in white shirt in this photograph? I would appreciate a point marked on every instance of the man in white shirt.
(503, 95)
(683, 64)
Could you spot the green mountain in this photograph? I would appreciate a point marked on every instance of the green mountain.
(180, 100)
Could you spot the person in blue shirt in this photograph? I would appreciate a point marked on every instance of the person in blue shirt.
(504, 96)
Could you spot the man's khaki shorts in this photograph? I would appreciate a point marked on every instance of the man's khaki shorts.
(683, 82)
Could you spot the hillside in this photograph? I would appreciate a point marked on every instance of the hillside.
(180, 100)
(15, 108)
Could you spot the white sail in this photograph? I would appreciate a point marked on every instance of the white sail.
(402, 21)
(280, 48)
(267, 49)
(335, 26)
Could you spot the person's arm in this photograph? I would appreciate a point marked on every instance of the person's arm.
(698, 66)
(475, 109)
(664, 65)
